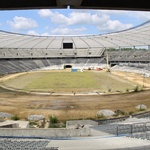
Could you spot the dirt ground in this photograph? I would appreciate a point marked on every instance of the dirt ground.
(73, 106)
(135, 78)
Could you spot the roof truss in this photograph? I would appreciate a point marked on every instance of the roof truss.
(142, 5)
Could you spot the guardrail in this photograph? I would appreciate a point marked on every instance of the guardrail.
(118, 119)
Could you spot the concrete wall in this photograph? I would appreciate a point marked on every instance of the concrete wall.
(81, 122)
(48, 133)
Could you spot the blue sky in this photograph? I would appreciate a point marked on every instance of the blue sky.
(69, 21)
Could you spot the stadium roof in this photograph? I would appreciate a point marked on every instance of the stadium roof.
(138, 36)
(77, 4)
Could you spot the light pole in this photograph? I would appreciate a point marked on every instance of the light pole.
(108, 71)
(107, 68)
(107, 61)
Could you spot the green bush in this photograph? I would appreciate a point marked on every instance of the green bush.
(136, 89)
(101, 116)
(15, 117)
(109, 90)
(32, 123)
(119, 112)
(53, 119)
(131, 112)
(141, 109)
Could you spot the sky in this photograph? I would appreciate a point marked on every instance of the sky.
(47, 22)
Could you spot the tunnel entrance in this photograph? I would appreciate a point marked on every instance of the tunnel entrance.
(67, 66)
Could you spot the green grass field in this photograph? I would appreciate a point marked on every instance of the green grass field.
(69, 82)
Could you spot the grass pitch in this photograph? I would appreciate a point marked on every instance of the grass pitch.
(69, 82)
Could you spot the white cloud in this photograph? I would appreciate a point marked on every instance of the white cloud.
(22, 23)
(112, 12)
(68, 31)
(55, 17)
(59, 18)
(99, 19)
(114, 25)
(79, 18)
(45, 13)
(45, 34)
(46, 28)
(32, 32)
(143, 15)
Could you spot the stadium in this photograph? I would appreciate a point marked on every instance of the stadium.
(116, 51)
(60, 92)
